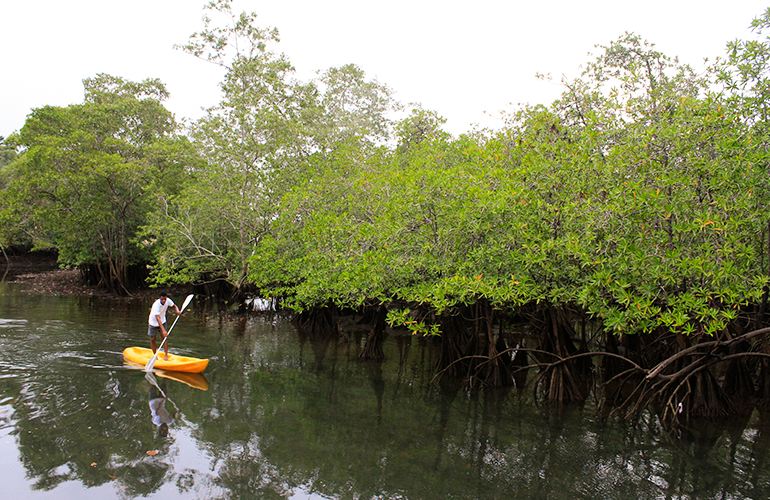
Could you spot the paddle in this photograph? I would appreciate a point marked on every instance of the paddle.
(151, 379)
(151, 363)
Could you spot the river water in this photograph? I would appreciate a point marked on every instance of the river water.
(278, 416)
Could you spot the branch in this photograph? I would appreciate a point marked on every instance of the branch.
(665, 363)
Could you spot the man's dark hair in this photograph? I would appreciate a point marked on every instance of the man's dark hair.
(162, 294)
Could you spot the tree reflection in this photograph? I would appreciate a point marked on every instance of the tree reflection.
(340, 427)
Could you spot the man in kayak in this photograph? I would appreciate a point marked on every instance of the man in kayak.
(157, 320)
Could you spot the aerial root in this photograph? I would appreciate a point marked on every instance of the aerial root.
(678, 395)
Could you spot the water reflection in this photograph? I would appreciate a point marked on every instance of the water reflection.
(158, 398)
(194, 380)
(281, 415)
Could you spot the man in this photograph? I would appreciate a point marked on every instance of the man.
(157, 320)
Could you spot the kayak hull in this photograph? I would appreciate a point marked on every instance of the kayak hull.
(142, 355)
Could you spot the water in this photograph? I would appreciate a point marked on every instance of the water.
(283, 417)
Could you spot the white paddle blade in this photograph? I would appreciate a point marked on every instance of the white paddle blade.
(151, 363)
(186, 302)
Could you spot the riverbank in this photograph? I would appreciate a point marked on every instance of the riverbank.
(40, 273)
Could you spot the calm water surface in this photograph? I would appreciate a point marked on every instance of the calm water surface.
(276, 416)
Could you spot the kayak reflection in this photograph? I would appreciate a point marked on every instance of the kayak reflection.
(194, 380)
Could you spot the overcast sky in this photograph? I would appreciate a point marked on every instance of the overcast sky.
(465, 60)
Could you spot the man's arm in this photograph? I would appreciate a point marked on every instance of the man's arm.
(160, 324)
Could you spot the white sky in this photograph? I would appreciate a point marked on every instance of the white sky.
(465, 60)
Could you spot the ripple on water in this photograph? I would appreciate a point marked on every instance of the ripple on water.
(6, 423)
(15, 370)
(12, 323)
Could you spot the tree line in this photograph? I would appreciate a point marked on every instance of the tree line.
(633, 211)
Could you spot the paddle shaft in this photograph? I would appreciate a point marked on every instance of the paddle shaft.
(151, 379)
(169, 330)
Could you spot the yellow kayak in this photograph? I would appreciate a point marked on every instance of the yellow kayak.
(174, 363)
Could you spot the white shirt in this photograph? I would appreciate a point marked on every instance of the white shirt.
(159, 309)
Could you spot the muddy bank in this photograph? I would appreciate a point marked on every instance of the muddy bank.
(40, 273)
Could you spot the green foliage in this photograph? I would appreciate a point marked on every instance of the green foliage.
(7, 151)
(13, 226)
(353, 108)
(743, 73)
(90, 172)
(404, 318)
(636, 196)
(252, 134)
(269, 134)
